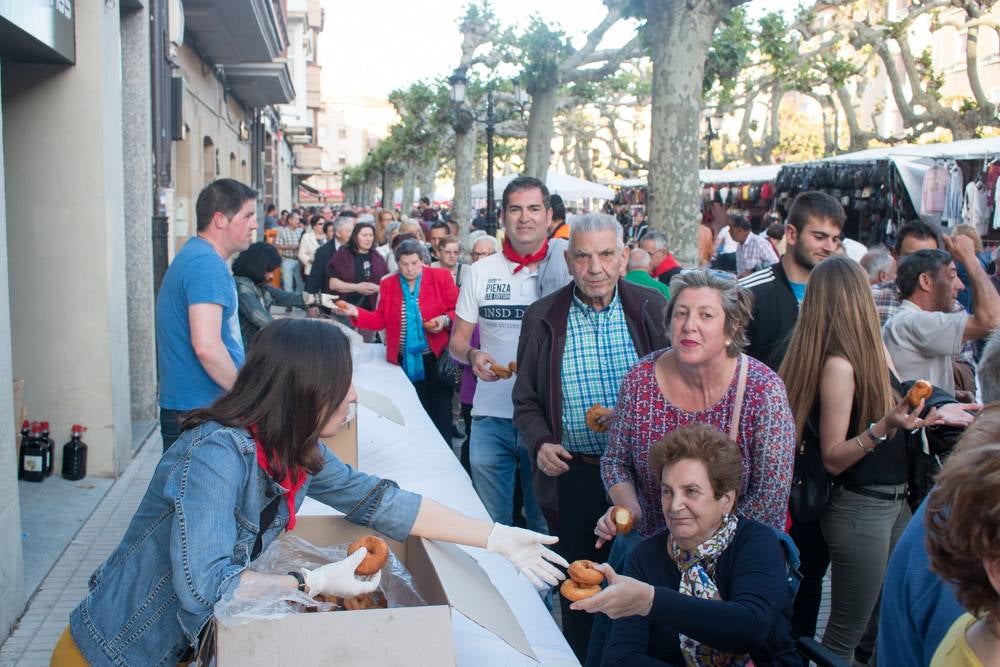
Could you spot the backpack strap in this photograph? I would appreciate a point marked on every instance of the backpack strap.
(741, 388)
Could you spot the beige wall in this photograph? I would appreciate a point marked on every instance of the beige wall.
(66, 239)
(207, 113)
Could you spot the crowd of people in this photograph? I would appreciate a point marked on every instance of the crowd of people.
(760, 428)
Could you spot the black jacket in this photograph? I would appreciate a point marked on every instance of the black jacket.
(317, 280)
(775, 312)
(537, 393)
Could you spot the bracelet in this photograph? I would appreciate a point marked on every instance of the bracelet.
(468, 356)
(866, 450)
(299, 578)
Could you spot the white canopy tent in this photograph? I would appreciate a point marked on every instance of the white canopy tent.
(568, 187)
(759, 174)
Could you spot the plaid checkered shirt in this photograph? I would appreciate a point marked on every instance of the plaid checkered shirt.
(598, 353)
(290, 237)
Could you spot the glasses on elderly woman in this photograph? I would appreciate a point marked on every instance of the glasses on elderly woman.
(480, 255)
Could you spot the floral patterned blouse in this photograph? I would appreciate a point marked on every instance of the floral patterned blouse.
(766, 439)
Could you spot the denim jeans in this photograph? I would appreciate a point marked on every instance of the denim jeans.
(170, 426)
(291, 279)
(496, 455)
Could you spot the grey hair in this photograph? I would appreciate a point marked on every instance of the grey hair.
(737, 303)
(658, 238)
(391, 228)
(479, 235)
(638, 259)
(877, 260)
(343, 221)
(989, 369)
(596, 222)
(412, 247)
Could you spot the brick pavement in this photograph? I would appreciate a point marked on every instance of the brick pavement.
(32, 640)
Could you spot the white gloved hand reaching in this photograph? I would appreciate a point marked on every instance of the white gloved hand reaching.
(339, 578)
(328, 301)
(526, 550)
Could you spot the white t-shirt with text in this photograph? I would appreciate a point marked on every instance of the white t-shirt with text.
(495, 298)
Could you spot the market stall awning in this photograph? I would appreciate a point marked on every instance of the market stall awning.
(564, 185)
(760, 174)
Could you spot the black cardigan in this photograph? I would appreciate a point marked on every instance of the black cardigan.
(752, 617)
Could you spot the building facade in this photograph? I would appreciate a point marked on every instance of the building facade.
(114, 115)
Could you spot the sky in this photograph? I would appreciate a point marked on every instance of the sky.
(371, 47)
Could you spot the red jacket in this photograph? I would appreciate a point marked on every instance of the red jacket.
(438, 296)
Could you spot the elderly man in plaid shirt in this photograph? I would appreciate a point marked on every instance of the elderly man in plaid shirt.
(575, 347)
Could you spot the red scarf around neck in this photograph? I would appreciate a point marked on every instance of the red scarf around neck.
(291, 482)
(524, 260)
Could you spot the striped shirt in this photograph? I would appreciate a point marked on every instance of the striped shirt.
(598, 353)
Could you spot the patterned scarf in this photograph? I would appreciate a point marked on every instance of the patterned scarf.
(416, 342)
(697, 569)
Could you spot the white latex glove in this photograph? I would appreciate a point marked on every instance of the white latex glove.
(327, 300)
(526, 550)
(339, 578)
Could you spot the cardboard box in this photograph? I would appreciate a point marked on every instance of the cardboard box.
(445, 576)
(345, 444)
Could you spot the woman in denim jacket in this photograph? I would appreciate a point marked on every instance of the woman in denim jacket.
(198, 526)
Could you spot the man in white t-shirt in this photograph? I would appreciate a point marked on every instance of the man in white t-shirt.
(494, 295)
(925, 334)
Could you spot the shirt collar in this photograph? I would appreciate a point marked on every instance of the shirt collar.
(587, 308)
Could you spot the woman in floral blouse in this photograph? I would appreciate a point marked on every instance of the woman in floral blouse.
(696, 381)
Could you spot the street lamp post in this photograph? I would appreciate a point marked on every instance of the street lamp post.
(464, 117)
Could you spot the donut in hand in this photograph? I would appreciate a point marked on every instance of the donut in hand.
(920, 391)
(598, 417)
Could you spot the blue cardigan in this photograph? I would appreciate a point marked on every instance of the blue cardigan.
(752, 617)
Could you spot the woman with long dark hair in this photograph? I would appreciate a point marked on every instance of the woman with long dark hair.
(253, 270)
(356, 269)
(231, 484)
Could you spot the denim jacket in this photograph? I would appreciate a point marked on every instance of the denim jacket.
(192, 537)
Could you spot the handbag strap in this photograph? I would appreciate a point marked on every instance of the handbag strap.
(741, 388)
(266, 519)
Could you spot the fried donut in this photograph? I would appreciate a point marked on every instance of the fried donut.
(502, 372)
(921, 390)
(584, 573)
(341, 304)
(575, 592)
(378, 553)
(623, 519)
(597, 418)
(428, 324)
(370, 601)
(512, 366)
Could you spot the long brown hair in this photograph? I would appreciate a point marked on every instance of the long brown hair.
(296, 375)
(837, 318)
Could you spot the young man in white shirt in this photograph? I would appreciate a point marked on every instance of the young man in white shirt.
(494, 295)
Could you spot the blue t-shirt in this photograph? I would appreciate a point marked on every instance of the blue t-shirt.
(198, 274)
(799, 290)
(918, 607)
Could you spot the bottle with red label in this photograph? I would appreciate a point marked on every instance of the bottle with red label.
(74, 462)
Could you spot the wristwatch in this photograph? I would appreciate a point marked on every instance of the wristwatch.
(877, 440)
(299, 578)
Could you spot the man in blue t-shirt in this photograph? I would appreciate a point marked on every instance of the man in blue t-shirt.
(199, 346)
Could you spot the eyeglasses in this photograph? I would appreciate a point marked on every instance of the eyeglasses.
(480, 255)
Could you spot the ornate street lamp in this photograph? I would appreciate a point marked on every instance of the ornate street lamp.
(713, 123)
(463, 121)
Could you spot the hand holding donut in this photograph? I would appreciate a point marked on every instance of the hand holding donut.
(624, 596)
(614, 522)
(339, 579)
(526, 550)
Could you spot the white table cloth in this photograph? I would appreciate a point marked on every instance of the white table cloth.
(419, 460)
